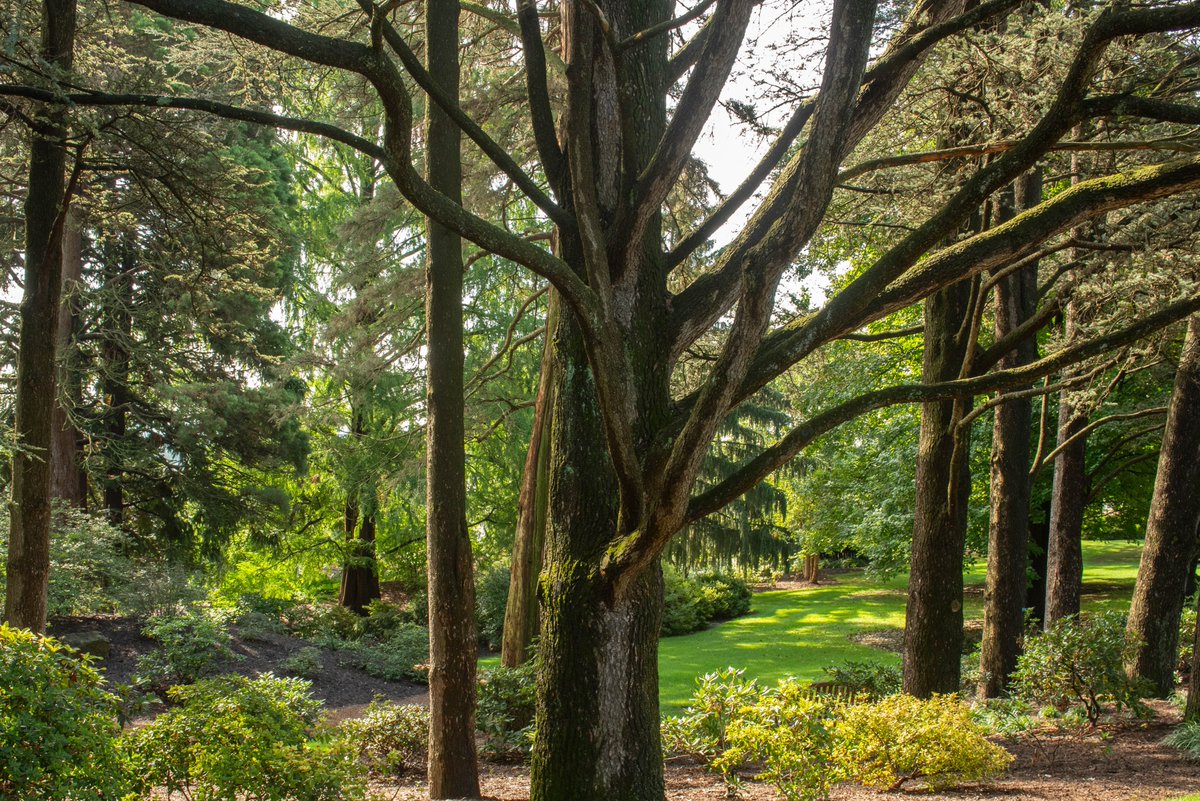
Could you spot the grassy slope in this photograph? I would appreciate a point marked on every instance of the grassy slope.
(798, 632)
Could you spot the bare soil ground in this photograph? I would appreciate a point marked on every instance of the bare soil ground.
(1119, 762)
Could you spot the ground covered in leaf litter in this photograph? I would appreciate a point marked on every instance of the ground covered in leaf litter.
(1117, 762)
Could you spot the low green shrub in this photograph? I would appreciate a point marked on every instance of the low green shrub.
(789, 734)
(505, 710)
(491, 600)
(58, 727)
(1187, 636)
(1186, 737)
(868, 677)
(305, 663)
(391, 738)
(726, 596)
(684, 608)
(718, 700)
(900, 738)
(189, 642)
(1079, 662)
(330, 626)
(234, 737)
(382, 619)
(403, 656)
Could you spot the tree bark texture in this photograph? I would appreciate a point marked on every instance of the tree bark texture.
(1158, 596)
(1192, 711)
(28, 565)
(1008, 522)
(68, 479)
(597, 702)
(521, 611)
(1064, 552)
(453, 764)
(933, 633)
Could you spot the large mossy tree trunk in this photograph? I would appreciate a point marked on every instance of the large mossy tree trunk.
(453, 763)
(933, 630)
(597, 702)
(1158, 596)
(521, 612)
(1008, 523)
(28, 566)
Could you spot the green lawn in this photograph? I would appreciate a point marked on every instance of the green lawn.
(798, 632)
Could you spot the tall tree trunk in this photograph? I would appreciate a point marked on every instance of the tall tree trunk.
(521, 613)
(28, 567)
(1158, 596)
(1064, 552)
(1008, 523)
(68, 479)
(120, 262)
(1039, 543)
(453, 764)
(360, 572)
(597, 695)
(933, 632)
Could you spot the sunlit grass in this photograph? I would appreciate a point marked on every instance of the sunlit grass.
(799, 632)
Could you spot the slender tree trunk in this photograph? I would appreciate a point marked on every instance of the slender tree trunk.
(1158, 596)
(1008, 524)
(28, 565)
(360, 573)
(68, 479)
(933, 634)
(1039, 543)
(453, 765)
(1064, 552)
(597, 695)
(521, 612)
(119, 266)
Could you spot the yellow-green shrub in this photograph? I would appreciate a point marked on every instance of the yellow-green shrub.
(789, 734)
(901, 738)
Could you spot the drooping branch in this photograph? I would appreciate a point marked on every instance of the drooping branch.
(774, 457)
(666, 26)
(1092, 426)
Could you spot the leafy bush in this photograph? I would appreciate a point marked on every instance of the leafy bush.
(726, 596)
(1079, 662)
(1187, 635)
(259, 618)
(789, 733)
(234, 737)
(383, 619)
(1186, 737)
(505, 710)
(868, 677)
(684, 608)
(491, 600)
(58, 728)
(901, 738)
(305, 663)
(188, 643)
(331, 626)
(391, 738)
(702, 730)
(403, 656)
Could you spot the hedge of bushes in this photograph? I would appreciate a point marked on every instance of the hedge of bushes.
(690, 604)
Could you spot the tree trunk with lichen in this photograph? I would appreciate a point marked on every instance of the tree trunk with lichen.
(1158, 596)
(28, 567)
(933, 629)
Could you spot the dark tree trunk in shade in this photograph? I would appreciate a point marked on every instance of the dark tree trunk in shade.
(521, 612)
(360, 574)
(1039, 542)
(453, 764)
(1008, 523)
(1158, 596)
(68, 478)
(118, 269)
(933, 634)
(28, 566)
(1064, 551)
(1189, 587)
